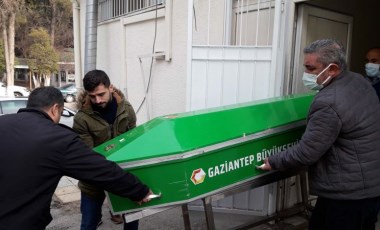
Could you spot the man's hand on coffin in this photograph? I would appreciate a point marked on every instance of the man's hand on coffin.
(146, 199)
(266, 166)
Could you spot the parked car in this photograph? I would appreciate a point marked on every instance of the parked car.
(67, 117)
(9, 105)
(13, 90)
(69, 92)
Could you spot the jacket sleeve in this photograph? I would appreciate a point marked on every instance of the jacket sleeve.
(82, 163)
(323, 128)
(81, 128)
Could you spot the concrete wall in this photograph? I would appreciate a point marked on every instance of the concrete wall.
(123, 40)
(110, 56)
(120, 44)
(167, 88)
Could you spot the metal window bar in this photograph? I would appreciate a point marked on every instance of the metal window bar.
(241, 21)
(252, 22)
(257, 22)
(110, 9)
(246, 23)
(208, 22)
(270, 21)
(225, 24)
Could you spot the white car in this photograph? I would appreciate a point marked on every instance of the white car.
(13, 90)
(9, 105)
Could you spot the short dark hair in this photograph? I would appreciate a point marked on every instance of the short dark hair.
(94, 78)
(328, 51)
(374, 48)
(45, 97)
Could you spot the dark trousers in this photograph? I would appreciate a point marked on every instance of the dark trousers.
(91, 212)
(344, 214)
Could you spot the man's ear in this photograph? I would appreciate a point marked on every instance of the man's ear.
(111, 88)
(56, 109)
(334, 70)
(54, 112)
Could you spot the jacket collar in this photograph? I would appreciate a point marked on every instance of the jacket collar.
(37, 111)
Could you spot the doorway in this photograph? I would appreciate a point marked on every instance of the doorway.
(315, 23)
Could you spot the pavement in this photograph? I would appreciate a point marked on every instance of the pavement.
(65, 209)
(67, 190)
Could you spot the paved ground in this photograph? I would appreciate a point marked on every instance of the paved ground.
(66, 215)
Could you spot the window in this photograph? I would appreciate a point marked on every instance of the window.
(253, 22)
(234, 22)
(21, 74)
(8, 107)
(109, 9)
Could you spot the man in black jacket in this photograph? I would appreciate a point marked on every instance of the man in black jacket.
(341, 142)
(372, 68)
(36, 152)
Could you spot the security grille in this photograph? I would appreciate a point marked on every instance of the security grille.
(232, 52)
(110, 9)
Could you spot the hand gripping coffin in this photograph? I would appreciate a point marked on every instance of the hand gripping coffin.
(188, 156)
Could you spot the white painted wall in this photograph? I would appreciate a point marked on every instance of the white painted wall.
(123, 40)
(167, 90)
(110, 53)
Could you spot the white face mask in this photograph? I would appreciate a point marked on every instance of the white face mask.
(372, 70)
(310, 80)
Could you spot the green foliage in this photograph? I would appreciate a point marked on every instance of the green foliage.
(39, 13)
(42, 56)
(21, 19)
(40, 36)
(55, 16)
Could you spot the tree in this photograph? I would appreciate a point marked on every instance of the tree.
(63, 24)
(8, 10)
(21, 16)
(2, 58)
(53, 15)
(42, 57)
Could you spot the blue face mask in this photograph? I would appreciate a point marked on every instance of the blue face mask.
(372, 70)
(310, 80)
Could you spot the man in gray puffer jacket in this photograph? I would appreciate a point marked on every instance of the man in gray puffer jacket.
(341, 142)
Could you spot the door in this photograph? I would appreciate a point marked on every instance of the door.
(314, 23)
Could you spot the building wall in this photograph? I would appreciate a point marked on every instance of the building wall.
(123, 52)
(120, 43)
(110, 53)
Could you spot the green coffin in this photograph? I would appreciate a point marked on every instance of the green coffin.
(191, 155)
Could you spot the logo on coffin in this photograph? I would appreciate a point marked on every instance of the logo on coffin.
(198, 176)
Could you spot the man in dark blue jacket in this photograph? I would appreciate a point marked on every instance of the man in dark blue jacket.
(372, 68)
(36, 152)
(341, 142)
